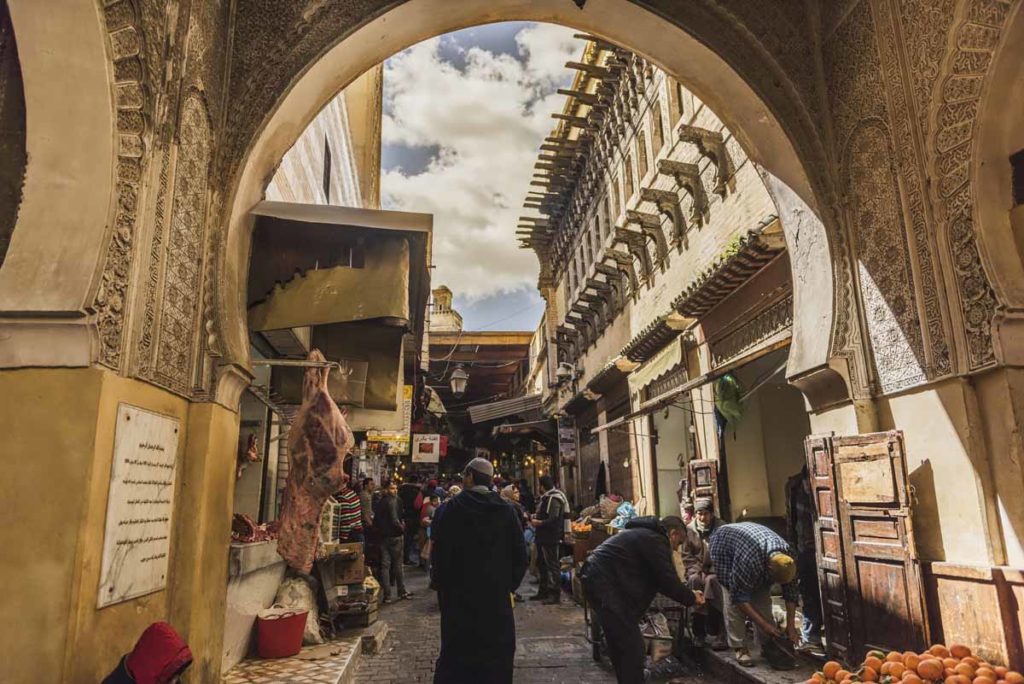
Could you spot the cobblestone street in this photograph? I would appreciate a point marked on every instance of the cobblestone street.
(551, 646)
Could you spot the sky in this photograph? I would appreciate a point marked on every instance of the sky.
(464, 117)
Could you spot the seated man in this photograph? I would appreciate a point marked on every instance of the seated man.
(700, 574)
(748, 558)
(620, 579)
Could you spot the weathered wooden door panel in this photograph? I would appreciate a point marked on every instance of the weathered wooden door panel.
(882, 572)
(828, 540)
(703, 475)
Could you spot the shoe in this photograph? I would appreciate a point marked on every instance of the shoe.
(406, 596)
(718, 643)
(810, 647)
(743, 657)
(385, 601)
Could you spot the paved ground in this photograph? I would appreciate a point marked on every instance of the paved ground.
(551, 646)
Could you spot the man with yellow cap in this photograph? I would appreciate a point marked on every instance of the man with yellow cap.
(748, 559)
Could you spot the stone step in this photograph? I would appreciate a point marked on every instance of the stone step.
(722, 666)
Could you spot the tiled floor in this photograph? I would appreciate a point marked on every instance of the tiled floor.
(326, 664)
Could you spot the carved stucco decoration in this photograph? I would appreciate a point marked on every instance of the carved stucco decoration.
(133, 102)
(186, 243)
(883, 264)
(909, 156)
(952, 132)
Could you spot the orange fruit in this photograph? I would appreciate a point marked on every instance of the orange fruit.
(868, 674)
(894, 657)
(972, 661)
(930, 669)
(841, 675)
(873, 662)
(897, 670)
(957, 679)
(830, 669)
(1012, 677)
(950, 662)
(985, 671)
(939, 651)
(1001, 671)
(911, 660)
(959, 651)
(819, 677)
(984, 680)
(965, 670)
(911, 678)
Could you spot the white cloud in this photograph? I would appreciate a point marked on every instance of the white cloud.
(488, 120)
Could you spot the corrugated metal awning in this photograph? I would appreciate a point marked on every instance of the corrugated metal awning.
(516, 406)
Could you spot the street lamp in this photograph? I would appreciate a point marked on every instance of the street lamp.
(459, 379)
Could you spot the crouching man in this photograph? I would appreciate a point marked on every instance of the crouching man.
(620, 579)
(748, 558)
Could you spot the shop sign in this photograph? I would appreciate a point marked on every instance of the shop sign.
(426, 448)
(139, 505)
(566, 441)
(394, 442)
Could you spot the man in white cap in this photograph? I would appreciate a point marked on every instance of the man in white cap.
(478, 561)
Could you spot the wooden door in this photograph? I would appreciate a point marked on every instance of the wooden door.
(883, 572)
(703, 481)
(868, 568)
(829, 548)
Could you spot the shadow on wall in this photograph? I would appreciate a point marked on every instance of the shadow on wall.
(925, 507)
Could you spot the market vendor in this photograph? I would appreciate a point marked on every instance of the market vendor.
(621, 578)
(700, 574)
(748, 559)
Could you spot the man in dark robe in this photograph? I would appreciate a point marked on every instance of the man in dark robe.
(478, 561)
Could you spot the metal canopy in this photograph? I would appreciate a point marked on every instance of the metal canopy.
(517, 406)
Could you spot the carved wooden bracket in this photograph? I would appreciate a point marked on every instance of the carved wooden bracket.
(624, 264)
(711, 145)
(637, 245)
(650, 226)
(668, 204)
(688, 178)
(617, 281)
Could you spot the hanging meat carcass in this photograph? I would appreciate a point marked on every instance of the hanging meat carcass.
(318, 441)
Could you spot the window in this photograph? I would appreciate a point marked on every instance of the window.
(616, 201)
(596, 235)
(606, 219)
(657, 128)
(641, 154)
(327, 171)
(675, 101)
(627, 170)
(1017, 175)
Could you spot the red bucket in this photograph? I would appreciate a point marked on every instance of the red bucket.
(279, 632)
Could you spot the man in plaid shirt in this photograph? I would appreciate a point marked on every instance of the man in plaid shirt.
(749, 558)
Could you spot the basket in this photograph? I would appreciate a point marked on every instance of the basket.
(279, 632)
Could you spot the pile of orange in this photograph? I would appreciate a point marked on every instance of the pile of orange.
(953, 665)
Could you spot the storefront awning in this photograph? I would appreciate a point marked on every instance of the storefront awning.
(662, 400)
(517, 406)
(358, 278)
(542, 430)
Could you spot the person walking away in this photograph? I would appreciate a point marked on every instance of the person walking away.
(477, 562)
(410, 497)
(549, 529)
(800, 518)
(748, 558)
(620, 579)
(700, 574)
(348, 515)
(391, 529)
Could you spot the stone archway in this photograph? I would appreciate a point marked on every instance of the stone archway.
(999, 215)
(777, 136)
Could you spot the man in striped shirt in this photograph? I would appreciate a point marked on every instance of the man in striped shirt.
(748, 558)
(348, 514)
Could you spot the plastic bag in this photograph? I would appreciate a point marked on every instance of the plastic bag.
(296, 594)
(626, 512)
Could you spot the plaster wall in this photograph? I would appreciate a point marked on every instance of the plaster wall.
(948, 468)
(784, 426)
(749, 494)
(64, 442)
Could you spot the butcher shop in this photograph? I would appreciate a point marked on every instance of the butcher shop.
(336, 302)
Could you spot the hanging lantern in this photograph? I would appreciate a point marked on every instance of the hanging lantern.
(459, 379)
